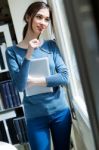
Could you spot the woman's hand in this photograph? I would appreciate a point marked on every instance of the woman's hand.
(36, 81)
(31, 46)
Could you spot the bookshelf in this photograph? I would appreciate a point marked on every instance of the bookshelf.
(12, 121)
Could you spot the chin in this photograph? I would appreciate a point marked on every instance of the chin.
(39, 32)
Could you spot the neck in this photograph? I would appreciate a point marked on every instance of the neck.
(29, 36)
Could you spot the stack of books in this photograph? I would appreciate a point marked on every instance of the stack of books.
(9, 95)
(21, 131)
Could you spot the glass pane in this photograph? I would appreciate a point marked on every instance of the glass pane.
(64, 42)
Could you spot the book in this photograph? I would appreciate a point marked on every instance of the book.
(15, 95)
(4, 95)
(21, 131)
(12, 94)
(9, 96)
(39, 68)
(1, 103)
(18, 130)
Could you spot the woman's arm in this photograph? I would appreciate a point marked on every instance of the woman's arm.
(61, 75)
(18, 74)
(59, 78)
(38, 81)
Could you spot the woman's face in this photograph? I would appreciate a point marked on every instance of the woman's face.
(41, 21)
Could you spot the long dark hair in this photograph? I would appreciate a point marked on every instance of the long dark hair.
(32, 11)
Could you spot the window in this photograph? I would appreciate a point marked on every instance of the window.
(64, 42)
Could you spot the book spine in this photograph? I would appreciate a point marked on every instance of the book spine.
(20, 127)
(23, 131)
(15, 95)
(12, 94)
(18, 130)
(9, 96)
(1, 103)
(4, 96)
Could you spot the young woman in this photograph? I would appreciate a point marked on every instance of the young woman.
(48, 112)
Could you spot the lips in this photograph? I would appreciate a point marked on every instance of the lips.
(40, 28)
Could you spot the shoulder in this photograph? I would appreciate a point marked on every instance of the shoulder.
(10, 50)
(51, 44)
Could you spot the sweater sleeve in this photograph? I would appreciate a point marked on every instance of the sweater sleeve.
(61, 75)
(18, 74)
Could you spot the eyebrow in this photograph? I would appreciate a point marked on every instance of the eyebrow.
(42, 15)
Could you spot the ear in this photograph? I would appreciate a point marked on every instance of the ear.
(27, 18)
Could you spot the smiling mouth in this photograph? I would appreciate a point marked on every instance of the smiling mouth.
(40, 28)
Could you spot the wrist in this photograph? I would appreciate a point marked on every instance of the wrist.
(28, 56)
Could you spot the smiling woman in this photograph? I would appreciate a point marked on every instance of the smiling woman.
(46, 112)
(41, 20)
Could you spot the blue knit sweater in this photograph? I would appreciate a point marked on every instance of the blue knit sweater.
(41, 104)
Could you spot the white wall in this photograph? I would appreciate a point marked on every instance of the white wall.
(17, 10)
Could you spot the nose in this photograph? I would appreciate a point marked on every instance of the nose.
(44, 22)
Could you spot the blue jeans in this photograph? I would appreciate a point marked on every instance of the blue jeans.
(58, 124)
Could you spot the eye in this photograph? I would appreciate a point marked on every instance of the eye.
(39, 16)
(47, 19)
